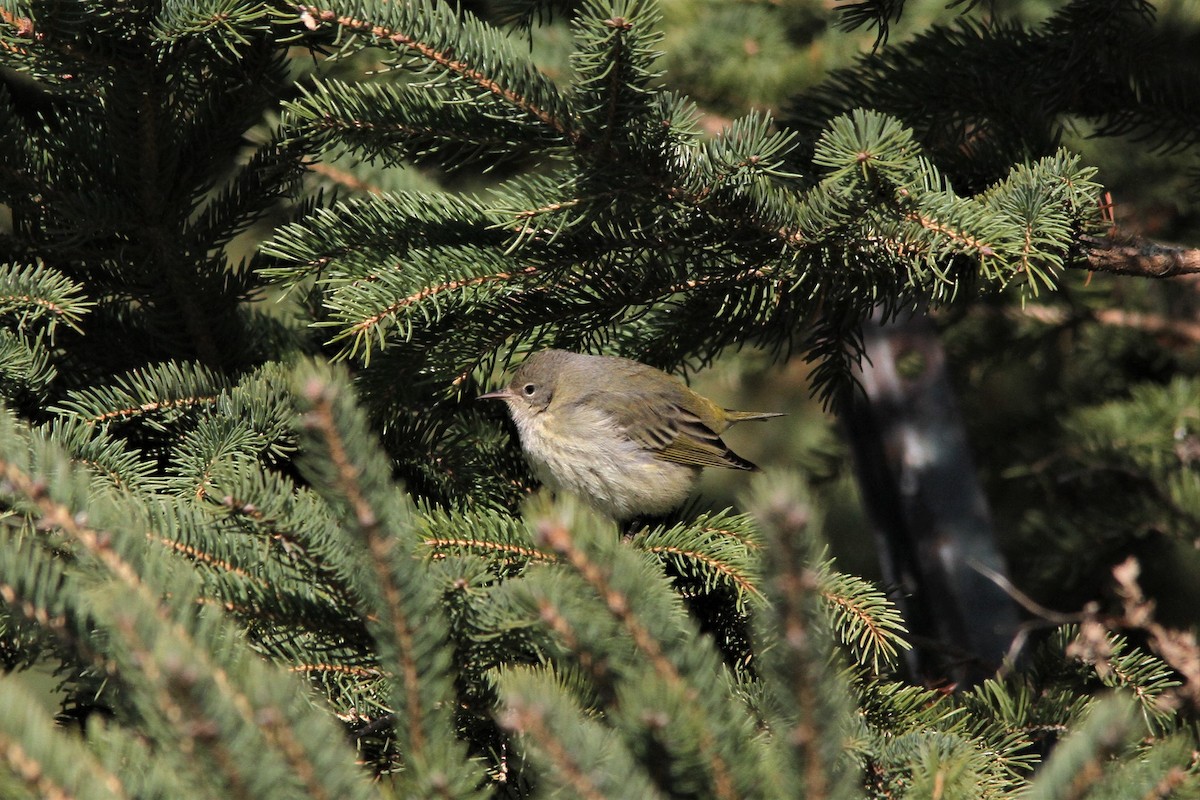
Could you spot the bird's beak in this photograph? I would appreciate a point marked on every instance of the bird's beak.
(502, 394)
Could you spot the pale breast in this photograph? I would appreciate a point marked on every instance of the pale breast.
(598, 462)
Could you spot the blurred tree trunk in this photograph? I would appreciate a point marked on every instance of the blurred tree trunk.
(927, 508)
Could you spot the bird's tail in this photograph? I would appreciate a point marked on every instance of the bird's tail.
(733, 417)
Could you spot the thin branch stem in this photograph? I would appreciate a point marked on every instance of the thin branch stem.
(1140, 257)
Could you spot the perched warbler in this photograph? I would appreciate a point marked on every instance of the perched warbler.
(625, 437)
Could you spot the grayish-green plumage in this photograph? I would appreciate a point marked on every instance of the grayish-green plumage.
(626, 437)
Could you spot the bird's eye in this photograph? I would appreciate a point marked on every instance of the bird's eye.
(529, 389)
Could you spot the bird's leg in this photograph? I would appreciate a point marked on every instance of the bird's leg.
(631, 528)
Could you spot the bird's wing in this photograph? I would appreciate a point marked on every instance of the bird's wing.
(679, 436)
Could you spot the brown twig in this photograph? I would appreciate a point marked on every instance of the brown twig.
(1184, 330)
(1093, 645)
(1177, 647)
(344, 178)
(1179, 331)
(1122, 255)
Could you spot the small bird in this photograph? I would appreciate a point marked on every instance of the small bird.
(625, 437)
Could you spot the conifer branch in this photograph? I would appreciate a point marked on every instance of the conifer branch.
(150, 133)
(363, 328)
(934, 225)
(444, 59)
(1174, 780)
(650, 295)
(558, 538)
(273, 722)
(142, 618)
(338, 669)
(334, 127)
(877, 627)
(38, 612)
(321, 420)
(99, 545)
(527, 719)
(66, 48)
(22, 26)
(380, 547)
(616, 67)
(795, 587)
(552, 208)
(58, 516)
(36, 775)
(744, 537)
(145, 409)
(293, 544)
(28, 570)
(208, 559)
(185, 721)
(35, 291)
(41, 302)
(716, 565)
(1077, 764)
(30, 771)
(803, 663)
(484, 546)
(595, 666)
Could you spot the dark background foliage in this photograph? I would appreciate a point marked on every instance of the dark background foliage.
(229, 569)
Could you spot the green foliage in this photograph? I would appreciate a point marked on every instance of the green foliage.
(174, 669)
(34, 300)
(985, 93)
(862, 617)
(878, 225)
(249, 573)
